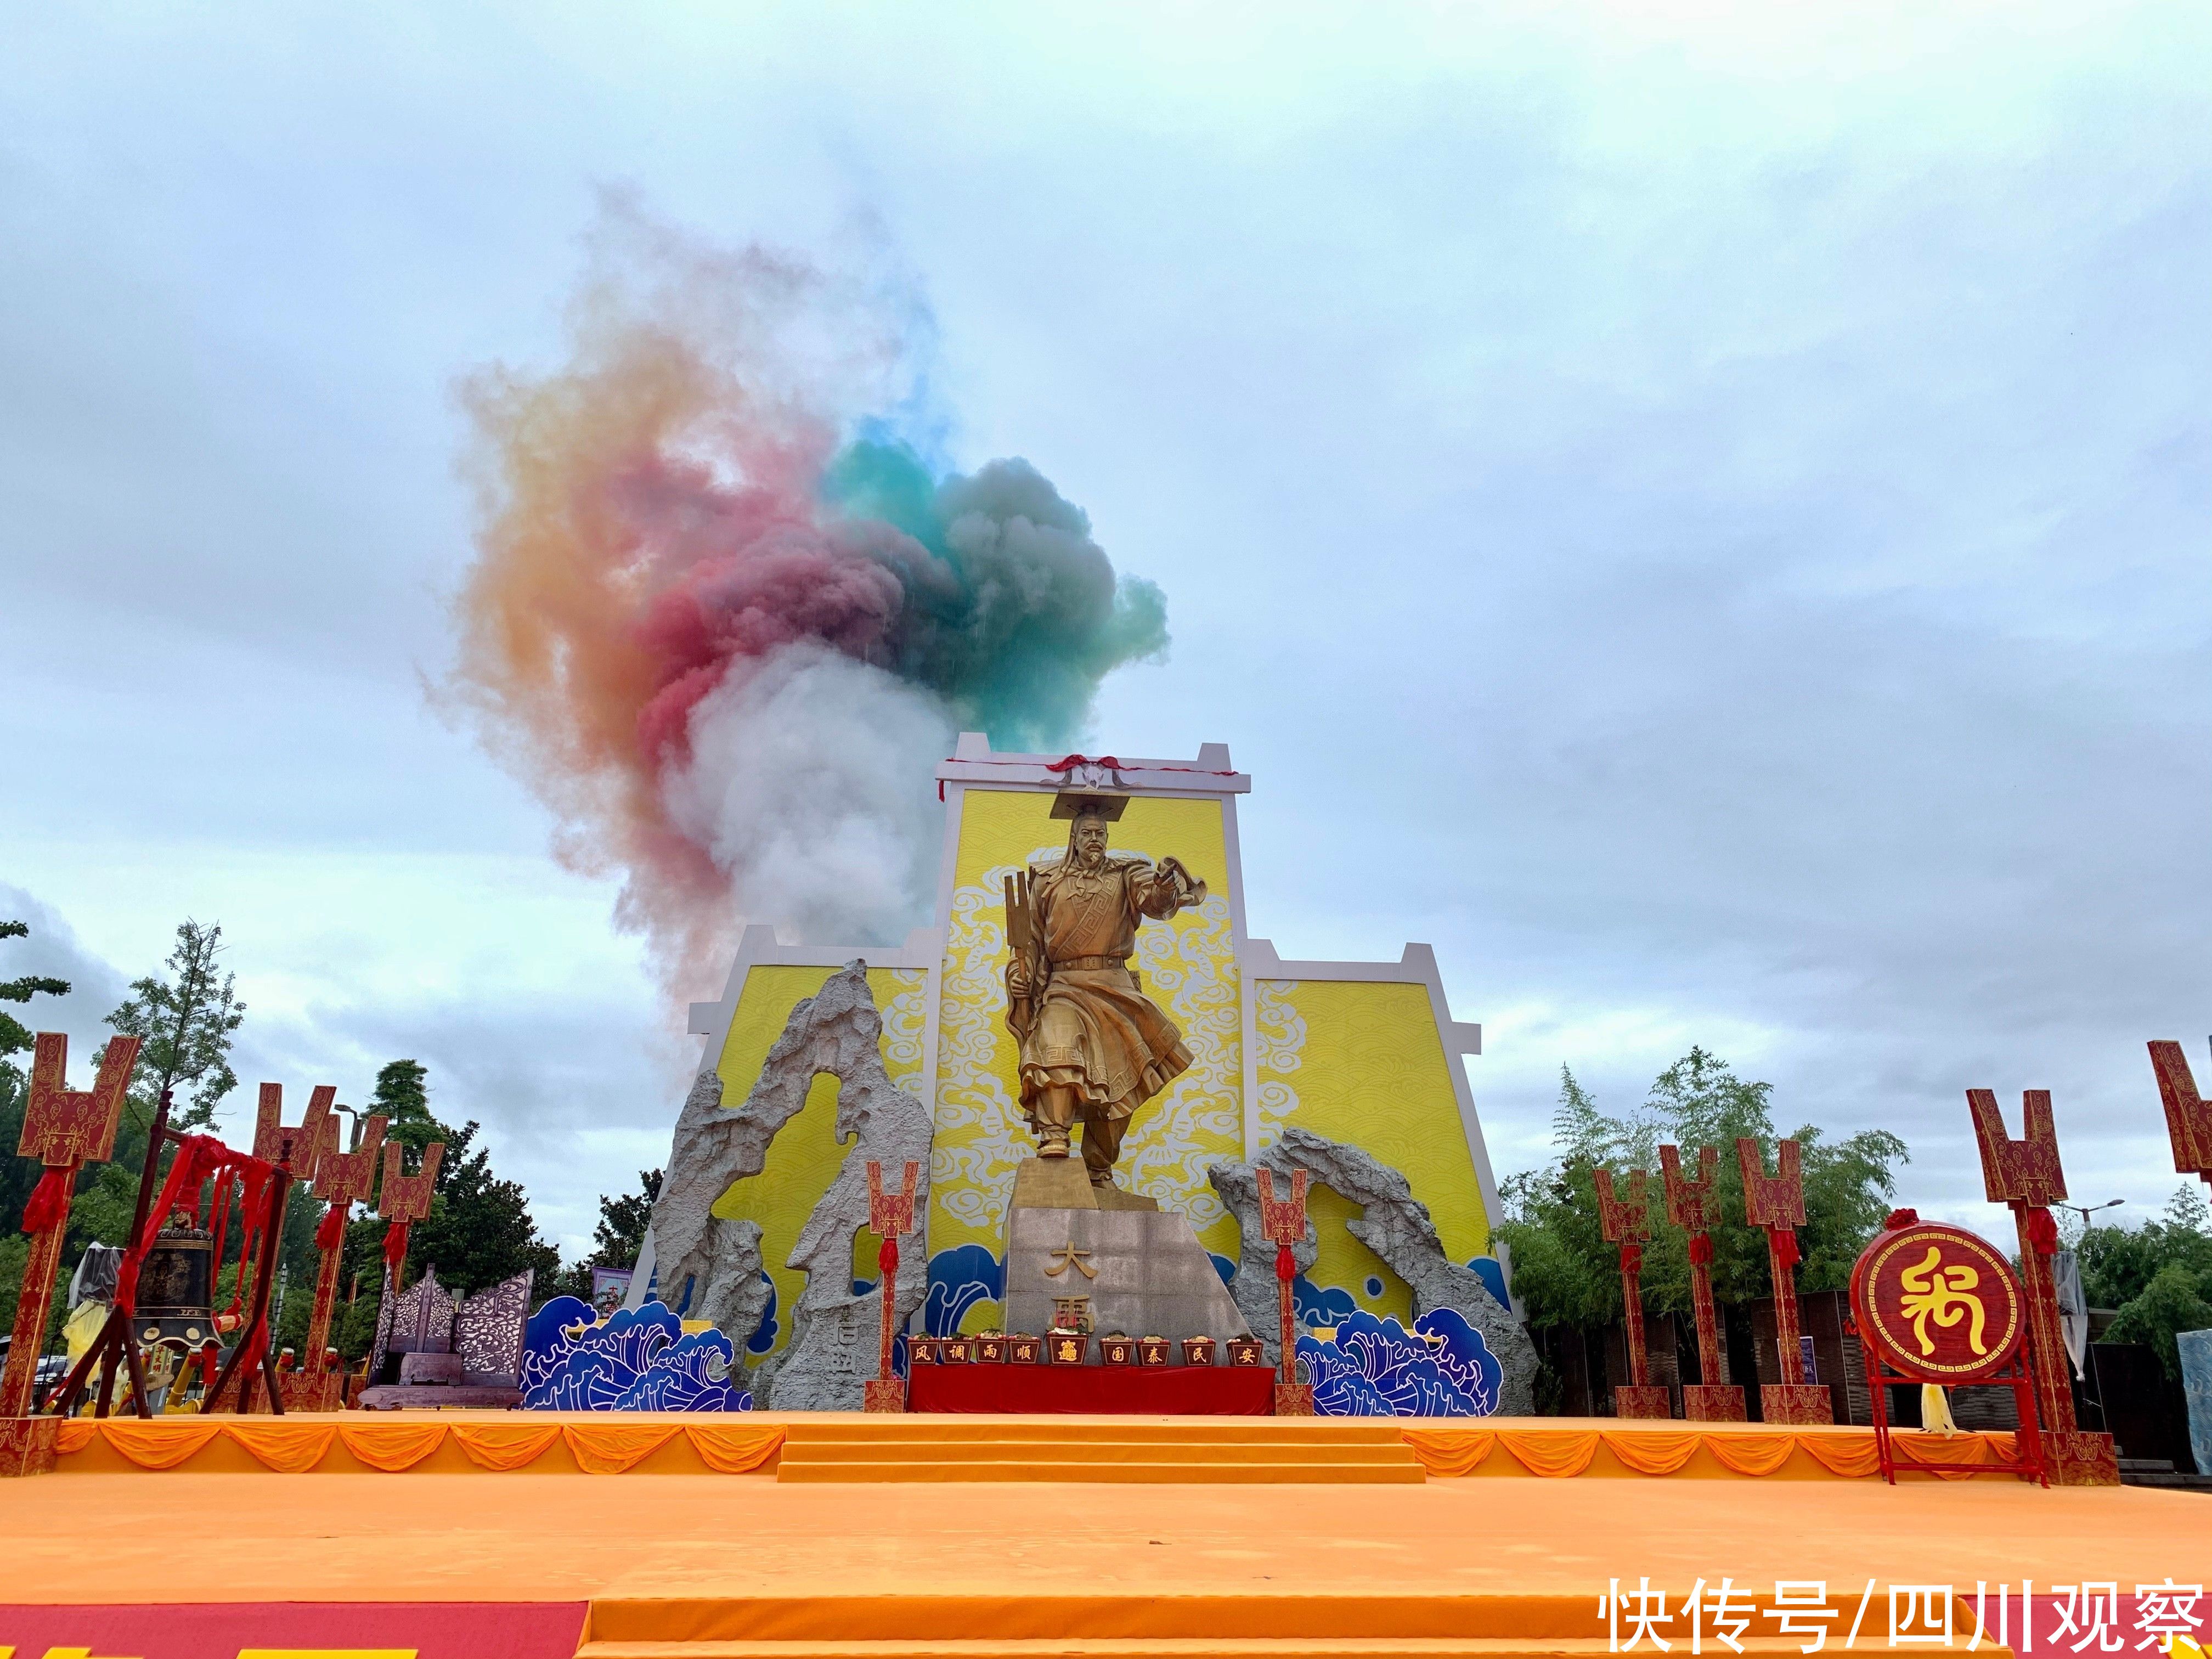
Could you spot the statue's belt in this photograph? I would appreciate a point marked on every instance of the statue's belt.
(1081, 963)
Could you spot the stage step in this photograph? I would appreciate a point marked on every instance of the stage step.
(1099, 1451)
(1168, 1452)
(1181, 1472)
(1076, 1625)
(1282, 1431)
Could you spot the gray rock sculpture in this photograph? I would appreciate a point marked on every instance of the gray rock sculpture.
(834, 1334)
(1396, 1226)
(719, 1257)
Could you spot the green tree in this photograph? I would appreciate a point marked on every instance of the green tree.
(620, 1234)
(2175, 1300)
(617, 1239)
(14, 1257)
(403, 1096)
(2118, 1263)
(14, 1036)
(479, 1230)
(1565, 1273)
(2157, 1276)
(187, 1024)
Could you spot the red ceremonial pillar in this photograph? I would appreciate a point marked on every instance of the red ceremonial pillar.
(1282, 1223)
(890, 1215)
(64, 1129)
(2188, 1118)
(342, 1179)
(1626, 1222)
(403, 1199)
(1694, 1207)
(1777, 1203)
(2026, 1175)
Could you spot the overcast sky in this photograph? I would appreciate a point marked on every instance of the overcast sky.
(1698, 512)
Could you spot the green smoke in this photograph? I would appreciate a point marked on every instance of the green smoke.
(1015, 615)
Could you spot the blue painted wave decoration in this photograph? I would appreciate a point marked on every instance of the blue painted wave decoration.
(958, 1279)
(1488, 1269)
(639, 1360)
(1376, 1368)
(763, 1336)
(1319, 1304)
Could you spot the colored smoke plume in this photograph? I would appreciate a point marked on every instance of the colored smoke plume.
(724, 616)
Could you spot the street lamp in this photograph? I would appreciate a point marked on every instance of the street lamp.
(2085, 1211)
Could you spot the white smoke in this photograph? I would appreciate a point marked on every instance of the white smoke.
(811, 786)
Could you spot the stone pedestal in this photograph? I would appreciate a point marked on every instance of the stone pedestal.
(1650, 1400)
(1144, 1270)
(1712, 1402)
(1064, 1183)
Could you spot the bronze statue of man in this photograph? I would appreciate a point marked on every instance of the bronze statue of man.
(1094, 1048)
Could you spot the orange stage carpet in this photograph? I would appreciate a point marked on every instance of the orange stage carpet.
(853, 1446)
(665, 1563)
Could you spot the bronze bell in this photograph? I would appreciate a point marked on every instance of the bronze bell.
(176, 1288)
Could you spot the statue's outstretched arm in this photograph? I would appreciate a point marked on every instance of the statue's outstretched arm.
(1169, 888)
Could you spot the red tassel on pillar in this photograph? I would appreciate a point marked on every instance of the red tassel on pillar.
(1785, 1247)
(887, 1259)
(1286, 1265)
(332, 1233)
(1701, 1249)
(50, 1200)
(1632, 1258)
(395, 1246)
(2043, 1232)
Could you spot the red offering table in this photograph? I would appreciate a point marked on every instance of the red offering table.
(1165, 1391)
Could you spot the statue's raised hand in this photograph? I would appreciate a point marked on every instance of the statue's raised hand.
(1189, 889)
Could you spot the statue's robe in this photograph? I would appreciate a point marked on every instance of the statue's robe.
(1092, 1028)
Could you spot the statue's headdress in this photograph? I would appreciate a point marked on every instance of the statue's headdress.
(1080, 803)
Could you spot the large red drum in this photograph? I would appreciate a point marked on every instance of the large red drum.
(1943, 1304)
